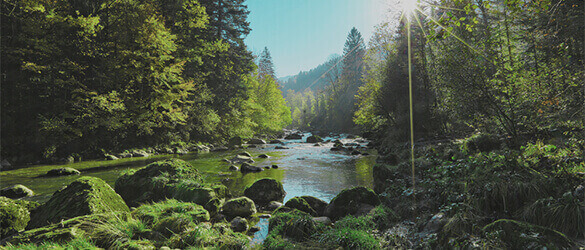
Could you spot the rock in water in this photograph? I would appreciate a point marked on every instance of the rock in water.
(265, 156)
(16, 191)
(265, 190)
(246, 168)
(300, 204)
(314, 139)
(239, 224)
(86, 195)
(13, 217)
(242, 206)
(281, 147)
(62, 171)
(349, 201)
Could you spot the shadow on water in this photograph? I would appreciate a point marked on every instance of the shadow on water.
(304, 169)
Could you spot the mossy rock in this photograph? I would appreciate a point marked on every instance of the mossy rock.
(316, 204)
(265, 190)
(86, 195)
(13, 217)
(151, 214)
(242, 206)
(62, 171)
(301, 204)
(349, 201)
(294, 224)
(208, 195)
(523, 235)
(161, 180)
(16, 191)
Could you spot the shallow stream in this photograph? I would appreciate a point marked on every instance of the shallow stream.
(304, 169)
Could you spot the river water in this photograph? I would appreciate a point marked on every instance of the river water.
(304, 169)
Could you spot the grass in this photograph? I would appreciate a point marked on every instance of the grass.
(78, 243)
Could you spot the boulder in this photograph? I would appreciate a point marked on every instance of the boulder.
(86, 195)
(245, 153)
(314, 139)
(256, 141)
(220, 149)
(274, 166)
(265, 156)
(233, 168)
(13, 217)
(172, 178)
(300, 204)
(273, 205)
(276, 142)
(246, 168)
(62, 171)
(242, 206)
(151, 213)
(125, 155)
(351, 201)
(281, 147)
(293, 223)
(110, 157)
(241, 159)
(295, 136)
(436, 223)
(16, 191)
(523, 235)
(140, 153)
(239, 224)
(317, 204)
(323, 220)
(265, 190)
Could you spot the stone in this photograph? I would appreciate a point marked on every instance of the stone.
(245, 153)
(274, 166)
(256, 141)
(254, 229)
(140, 153)
(233, 168)
(265, 190)
(62, 171)
(85, 196)
(110, 157)
(314, 139)
(323, 220)
(13, 217)
(220, 149)
(281, 147)
(125, 155)
(436, 223)
(5, 165)
(273, 205)
(239, 224)
(16, 191)
(265, 156)
(300, 204)
(266, 167)
(152, 212)
(246, 168)
(242, 206)
(317, 204)
(349, 201)
(276, 142)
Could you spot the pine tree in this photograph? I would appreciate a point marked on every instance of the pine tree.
(353, 54)
(265, 65)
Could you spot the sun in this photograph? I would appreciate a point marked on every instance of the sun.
(407, 7)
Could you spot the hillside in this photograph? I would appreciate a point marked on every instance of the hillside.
(313, 78)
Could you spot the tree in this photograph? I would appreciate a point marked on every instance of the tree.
(265, 66)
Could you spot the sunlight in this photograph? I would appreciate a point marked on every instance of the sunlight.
(407, 7)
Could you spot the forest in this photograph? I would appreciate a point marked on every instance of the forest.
(150, 124)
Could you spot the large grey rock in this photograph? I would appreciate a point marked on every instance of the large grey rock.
(265, 190)
(246, 167)
(295, 136)
(314, 139)
(256, 141)
(351, 201)
(16, 191)
(140, 153)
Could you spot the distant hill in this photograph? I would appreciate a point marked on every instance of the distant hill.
(313, 78)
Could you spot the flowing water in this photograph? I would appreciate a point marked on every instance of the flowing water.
(304, 169)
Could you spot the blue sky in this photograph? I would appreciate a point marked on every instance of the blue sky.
(301, 34)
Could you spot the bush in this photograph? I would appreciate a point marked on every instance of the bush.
(481, 142)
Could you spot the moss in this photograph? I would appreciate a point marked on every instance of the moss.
(348, 238)
(155, 212)
(171, 178)
(63, 171)
(295, 224)
(80, 243)
(137, 245)
(13, 217)
(16, 191)
(522, 235)
(174, 224)
(265, 190)
(301, 204)
(349, 201)
(316, 204)
(205, 236)
(86, 195)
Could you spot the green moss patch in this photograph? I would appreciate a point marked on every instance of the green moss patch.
(13, 217)
(349, 202)
(86, 195)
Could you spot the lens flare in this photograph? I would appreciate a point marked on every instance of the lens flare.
(408, 6)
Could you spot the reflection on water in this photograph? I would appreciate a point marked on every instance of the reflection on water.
(304, 169)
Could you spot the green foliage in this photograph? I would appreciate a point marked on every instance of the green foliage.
(13, 217)
(481, 143)
(79, 243)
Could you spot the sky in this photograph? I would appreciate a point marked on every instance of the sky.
(301, 34)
